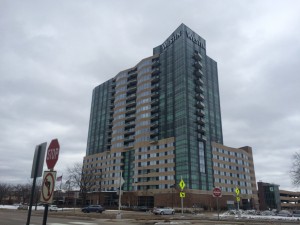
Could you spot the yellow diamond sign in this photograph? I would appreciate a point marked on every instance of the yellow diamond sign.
(237, 191)
(182, 194)
(181, 184)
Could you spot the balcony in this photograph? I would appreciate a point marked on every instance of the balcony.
(131, 90)
(197, 56)
(200, 121)
(154, 94)
(201, 130)
(155, 87)
(132, 71)
(129, 145)
(131, 83)
(154, 125)
(129, 132)
(199, 89)
(129, 138)
(154, 79)
(130, 118)
(129, 124)
(109, 126)
(199, 81)
(155, 71)
(154, 102)
(132, 75)
(198, 65)
(200, 105)
(131, 97)
(154, 133)
(154, 109)
(200, 112)
(202, 137)
(130, 110)
(130, 103)
(154, 117)
(155, 63)
(199, 97)
(153, 140)
(198, 73)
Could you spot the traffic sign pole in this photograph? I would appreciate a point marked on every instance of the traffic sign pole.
(218, 209)
(217, 192)
(50, 177)
(182, 185)
(35, 174)
(237, 191)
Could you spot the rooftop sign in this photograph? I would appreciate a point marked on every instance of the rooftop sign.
(177, 35)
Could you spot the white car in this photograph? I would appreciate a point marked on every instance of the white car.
(163, 211)
(53, 208)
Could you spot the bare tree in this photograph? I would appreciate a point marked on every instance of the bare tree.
(79, 178)
(295, 169)
(5, 191)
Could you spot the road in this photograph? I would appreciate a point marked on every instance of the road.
(17, 217)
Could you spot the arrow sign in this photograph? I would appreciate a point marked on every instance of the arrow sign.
(48, 186)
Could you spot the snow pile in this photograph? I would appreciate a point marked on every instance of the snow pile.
(256, 215)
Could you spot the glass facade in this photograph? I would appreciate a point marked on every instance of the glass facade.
(173, 94)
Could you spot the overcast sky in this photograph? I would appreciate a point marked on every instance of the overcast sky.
(53, 53)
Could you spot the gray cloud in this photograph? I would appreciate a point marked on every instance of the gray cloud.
(52, 55)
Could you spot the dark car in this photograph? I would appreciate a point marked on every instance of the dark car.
(296, 213)
(93, 208)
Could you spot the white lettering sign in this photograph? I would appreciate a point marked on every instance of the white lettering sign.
(171, 40)
(52, 153)
(196, 41)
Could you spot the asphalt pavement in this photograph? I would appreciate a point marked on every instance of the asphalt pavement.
(109, 217)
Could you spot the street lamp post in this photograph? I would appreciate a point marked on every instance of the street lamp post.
(172, 186)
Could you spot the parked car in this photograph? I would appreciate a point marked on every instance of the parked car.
(53, 208)
(163, 211)
(141, 208)
(284, 213)
(296, 213)
(93, 208)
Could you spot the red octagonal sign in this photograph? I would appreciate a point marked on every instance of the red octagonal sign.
(52, 154)
(217, 192)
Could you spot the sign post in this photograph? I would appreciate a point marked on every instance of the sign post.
(217, 193)
(37, 168)
(237, 192)
(49, 177)
(182, 194)
(121, 182)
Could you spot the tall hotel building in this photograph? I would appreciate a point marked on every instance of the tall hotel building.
(155, 122)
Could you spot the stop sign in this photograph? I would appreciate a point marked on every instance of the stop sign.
(52, 154)
(217, 192)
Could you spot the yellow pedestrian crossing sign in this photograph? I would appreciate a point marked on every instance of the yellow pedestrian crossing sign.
(237, 191)
(182, 194)
(238, 199)
(181, 184)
